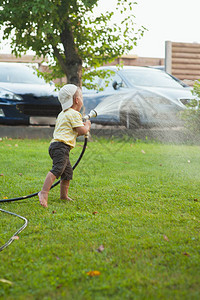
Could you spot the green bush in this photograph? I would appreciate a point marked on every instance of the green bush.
(191, 116)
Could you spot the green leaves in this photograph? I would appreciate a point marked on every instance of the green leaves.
(69, 32)
(191, 116)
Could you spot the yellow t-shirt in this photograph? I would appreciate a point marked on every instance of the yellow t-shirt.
(65, 126)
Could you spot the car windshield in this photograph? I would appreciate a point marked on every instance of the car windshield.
(19, 74)
(151, 78)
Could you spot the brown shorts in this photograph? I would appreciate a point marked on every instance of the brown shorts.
(59, 153)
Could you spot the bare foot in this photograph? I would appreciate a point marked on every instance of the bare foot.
(67, 198)
(43, 198)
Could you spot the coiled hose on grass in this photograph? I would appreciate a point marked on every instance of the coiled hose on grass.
(33, 195)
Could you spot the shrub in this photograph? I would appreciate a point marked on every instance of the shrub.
(191, 116)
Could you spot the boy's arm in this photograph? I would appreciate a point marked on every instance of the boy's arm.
(82, 130)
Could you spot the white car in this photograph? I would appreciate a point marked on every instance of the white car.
(137, 96)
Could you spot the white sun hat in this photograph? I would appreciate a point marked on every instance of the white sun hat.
(66, 94)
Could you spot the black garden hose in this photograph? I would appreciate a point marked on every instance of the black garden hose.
(33, 195)
(56, 183)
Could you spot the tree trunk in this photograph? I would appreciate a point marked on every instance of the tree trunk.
(72, 62)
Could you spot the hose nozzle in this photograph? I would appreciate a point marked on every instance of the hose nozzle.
(92, 114)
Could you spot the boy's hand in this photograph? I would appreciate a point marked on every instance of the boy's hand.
(87, 123)
(84, 129)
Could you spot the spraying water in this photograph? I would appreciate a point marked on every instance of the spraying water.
(133, 107)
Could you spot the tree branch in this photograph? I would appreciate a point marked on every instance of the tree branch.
(60, 59)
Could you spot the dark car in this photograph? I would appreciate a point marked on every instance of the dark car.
(26, 98)
(137, 96)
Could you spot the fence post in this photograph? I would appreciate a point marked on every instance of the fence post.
(168, 57)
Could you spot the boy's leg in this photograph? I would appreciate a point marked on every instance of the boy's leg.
(64, 187)
(43, 194)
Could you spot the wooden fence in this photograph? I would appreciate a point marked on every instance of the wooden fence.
(127, 60)
(22, 59)
(183, 60)
(134, 60)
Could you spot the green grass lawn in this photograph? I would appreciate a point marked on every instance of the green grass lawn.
(141, 201)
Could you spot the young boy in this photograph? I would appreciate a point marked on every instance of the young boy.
(68, 126)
